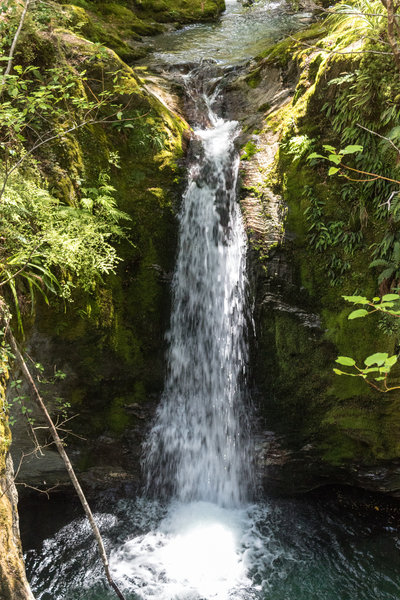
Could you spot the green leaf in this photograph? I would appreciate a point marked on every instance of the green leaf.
(392, 360)
(379, 262)
(329, 148)
(351, 149)
(376, 359)
(357, 299)
(386, 274)
(333, 170)
(390, 297)
(346, 361)
(314, 155)
(335, 158)
(356, 314)
(338, 372)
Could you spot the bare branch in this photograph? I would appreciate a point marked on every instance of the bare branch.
(15, 40)
(67, 463)
(36, 489)
(380, 136)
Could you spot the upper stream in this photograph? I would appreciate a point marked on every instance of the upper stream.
(199, 533)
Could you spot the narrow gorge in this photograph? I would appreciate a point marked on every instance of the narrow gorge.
(198, 187)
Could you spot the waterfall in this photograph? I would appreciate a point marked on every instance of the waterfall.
(198, 446)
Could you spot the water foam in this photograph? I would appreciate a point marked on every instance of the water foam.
(195, 552)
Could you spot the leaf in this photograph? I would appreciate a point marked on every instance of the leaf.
(392, 360)
(357, 299)
(329, 148)
(335, 158)
(379, 262)
(356, 314)
(386, 274)
(314, 155)
(376, 359)
(333, 170)
(351, 149)
(338, 372)
(346, 361)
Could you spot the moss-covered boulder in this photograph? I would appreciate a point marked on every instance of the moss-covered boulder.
(120, 25)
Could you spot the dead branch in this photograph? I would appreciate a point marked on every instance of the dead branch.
(46, 492)
(15, 41)
(380, 136)
(67, 463)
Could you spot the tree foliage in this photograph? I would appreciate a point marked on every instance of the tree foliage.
(49, 245)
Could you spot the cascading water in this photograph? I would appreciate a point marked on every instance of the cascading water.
(198, 446)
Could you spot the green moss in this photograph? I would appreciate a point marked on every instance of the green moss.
(249, 150)
(344, 420)
(253, 79)
(112, 341)
(182, 11)
(117, 418)
(281, 53)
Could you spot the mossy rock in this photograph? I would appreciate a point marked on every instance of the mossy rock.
(348, 425)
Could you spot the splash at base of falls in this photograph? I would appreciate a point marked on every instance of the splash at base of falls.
(185, 551)
(197, 551)
(280, 550)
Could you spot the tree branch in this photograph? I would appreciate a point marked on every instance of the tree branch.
(380, 136)
(15, 41)
(67, 463)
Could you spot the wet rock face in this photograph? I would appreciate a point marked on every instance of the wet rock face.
(316, 428)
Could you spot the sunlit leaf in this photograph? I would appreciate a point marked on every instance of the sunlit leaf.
(376, 359)
(356, 314)
(351, 149)
(390, 297)
(346, 361)
(357, 299)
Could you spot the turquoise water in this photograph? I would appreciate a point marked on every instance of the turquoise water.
(299, 550)
(241, 34)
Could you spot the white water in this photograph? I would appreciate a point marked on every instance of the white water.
(198, 449)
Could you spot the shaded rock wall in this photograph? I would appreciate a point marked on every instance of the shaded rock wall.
(320, 428)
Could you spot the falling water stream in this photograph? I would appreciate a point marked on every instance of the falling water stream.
(198, 533)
